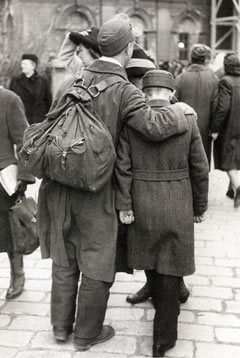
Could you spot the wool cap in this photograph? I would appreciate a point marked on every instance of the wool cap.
(159, 78)
(115, 35)
(200, 52)
(90, 40)
(139, 64)
(30, 56)
(231, 64)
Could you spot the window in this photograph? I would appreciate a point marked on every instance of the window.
(183, 46)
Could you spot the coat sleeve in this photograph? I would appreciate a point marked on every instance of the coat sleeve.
(47, 95)
(224, 103)
(17, 123)
(123, 173)
(67, 55)
(152, 125)
(199, 171)
(214, 100)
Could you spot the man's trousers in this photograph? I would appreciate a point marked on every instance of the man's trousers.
(165, 299)
(88, 302)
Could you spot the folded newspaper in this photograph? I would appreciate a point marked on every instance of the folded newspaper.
(8, 178)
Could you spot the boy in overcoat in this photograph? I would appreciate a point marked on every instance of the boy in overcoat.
(164, 186)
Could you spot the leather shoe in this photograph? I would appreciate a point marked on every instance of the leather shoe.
(140, 296)
(159, 350)
(144, 293)
(16, 287)
(230, 193)
(61, 333)
(85, 344)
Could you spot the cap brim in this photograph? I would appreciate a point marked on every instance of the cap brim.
(86, 40)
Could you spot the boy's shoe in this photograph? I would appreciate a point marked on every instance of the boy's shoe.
(85, 344)
(61, 333)
(140, 296)
(159, 350)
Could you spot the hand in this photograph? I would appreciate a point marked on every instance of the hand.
(126, 217)
(85, 32)
(198, 218)
(214, 136)
(21, 187)
(186, 108)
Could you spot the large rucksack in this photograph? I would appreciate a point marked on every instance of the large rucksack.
(75, 148)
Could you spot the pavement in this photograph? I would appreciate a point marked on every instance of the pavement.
(209, 323)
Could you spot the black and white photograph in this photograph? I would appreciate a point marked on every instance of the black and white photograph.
(119, 178)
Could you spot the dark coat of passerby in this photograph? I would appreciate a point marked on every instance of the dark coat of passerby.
(165, 185)
(227, 124)
(33, 89)
(198, 86)
(77, 229)
(79, 49)
(12, 123)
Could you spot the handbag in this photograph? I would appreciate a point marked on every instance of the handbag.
(23, 224)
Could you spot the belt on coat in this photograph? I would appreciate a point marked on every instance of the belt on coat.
(160, 175)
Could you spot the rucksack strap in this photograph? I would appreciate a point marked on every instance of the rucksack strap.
(96, 89)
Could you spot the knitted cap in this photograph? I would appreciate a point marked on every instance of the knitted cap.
(139, 64)
(200, 52)
(89, 40)
(159, 78)
(30, 56)
(115, 35)
(231, 64)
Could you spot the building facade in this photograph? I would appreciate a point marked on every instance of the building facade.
(167, 28)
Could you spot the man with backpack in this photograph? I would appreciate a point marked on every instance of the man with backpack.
(78, 229)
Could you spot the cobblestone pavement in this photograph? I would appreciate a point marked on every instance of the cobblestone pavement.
(209, 323)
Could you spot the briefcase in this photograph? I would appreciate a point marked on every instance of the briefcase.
(23, 223)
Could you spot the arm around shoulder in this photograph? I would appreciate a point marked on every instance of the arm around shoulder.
(152, 125)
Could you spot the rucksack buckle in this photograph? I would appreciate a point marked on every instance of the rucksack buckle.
(79, 83)
(93, 90)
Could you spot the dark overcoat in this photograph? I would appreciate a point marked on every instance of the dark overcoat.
(95, 214)
(164, 184)
(198, 87)
(12, 123)
(227, 123)
(35, 94)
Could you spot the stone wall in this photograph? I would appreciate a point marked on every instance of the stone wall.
(39, 26)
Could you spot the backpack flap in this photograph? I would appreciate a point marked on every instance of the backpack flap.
(82, 154)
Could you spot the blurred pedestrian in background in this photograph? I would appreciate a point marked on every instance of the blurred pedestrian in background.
(12, 123)
(198, 87)
(227, 125)
(33, 89)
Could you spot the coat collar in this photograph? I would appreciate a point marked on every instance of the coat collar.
(104, 67)
(195, 67)
(33, 78)
(158, 103)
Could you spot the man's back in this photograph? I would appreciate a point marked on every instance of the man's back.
(198, 87)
